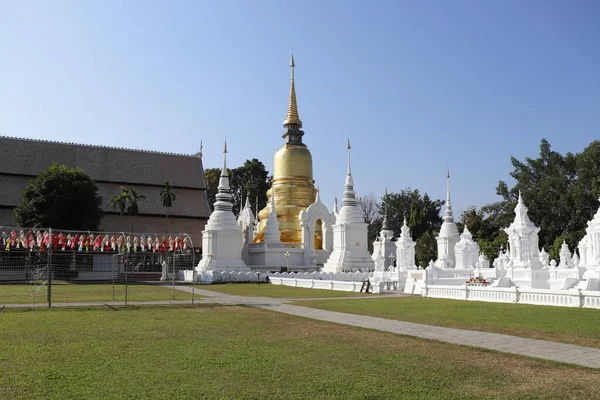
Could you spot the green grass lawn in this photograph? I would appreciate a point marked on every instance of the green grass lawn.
(63, 292)
(558, 324)
(232, 352)
(276, 291)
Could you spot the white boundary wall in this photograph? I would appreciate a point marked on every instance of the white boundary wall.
(545, 297)
(344, 286)
(208, 277)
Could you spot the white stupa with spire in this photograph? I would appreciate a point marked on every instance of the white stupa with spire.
(523, 240)
(272, 232)
(449, 236)
(405, 249)
(247, 224)
(335, 205)
(589, 248)
(350, 251)
(565, 256)
(466, 251)
(222, 237)
(384, 247)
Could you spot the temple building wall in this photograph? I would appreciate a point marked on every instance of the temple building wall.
(145, 171)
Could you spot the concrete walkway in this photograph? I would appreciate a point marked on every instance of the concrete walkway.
(577, 355)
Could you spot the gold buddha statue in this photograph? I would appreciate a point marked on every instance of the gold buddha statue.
(293, 185)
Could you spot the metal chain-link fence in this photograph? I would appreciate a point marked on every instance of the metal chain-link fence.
(45, 265)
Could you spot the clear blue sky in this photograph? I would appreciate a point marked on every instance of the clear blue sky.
(418, 85)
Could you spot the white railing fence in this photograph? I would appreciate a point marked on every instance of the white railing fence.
(208, 277)
(547, 297)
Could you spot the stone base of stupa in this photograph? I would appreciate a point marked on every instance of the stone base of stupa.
(222, 251)
(358, 260)
(272, 257)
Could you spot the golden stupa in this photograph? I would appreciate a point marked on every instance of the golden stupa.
(293, 185)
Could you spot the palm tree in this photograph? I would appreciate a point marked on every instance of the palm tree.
(120, 201)
(167, 198)
(133, 207)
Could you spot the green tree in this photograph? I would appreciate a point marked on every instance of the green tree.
(421, 212)
(119, 201)
(486, 229)
(426, 249)
(370, 209)
(423, 218)
(133, 207)
(167, 197)
(251, 179)
(560, 191)
(60, 197)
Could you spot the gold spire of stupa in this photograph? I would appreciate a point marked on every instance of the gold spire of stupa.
(293, 184)
(292, 114)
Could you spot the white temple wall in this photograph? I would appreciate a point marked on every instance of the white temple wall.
(547, 297)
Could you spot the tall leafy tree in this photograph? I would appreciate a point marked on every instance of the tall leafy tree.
(119, 201)
(167, 197)
(60, 197)
(251, 179)
(487, 230)
(423, 218)
(560, 192)
(421, 212)
(133, 207)
(370, 209)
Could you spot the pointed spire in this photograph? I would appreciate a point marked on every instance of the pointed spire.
(223, 196)
(521, 210)
(292, 117)
(348, 147)
(448, 217)
(335, 204)
(318, 199)
(384, 225)
(405, 231)
(224, 170)
(349, 194)
(247, 205)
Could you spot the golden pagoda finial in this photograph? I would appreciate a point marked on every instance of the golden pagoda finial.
(292, 114)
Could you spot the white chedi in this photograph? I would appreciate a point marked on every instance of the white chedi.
(246, 221)
(589, 246)
(565, 256)
(466, 251)
(247, 224)
(383, 246)
(544, 257)
(272, 232)
(350, 252)
(523, 240)
(222, 237)
(448, 236)
(405, 249)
